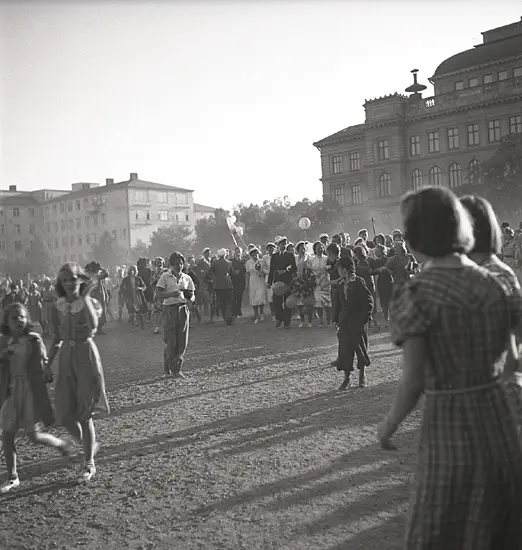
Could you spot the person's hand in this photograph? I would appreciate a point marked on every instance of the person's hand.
(385, 431)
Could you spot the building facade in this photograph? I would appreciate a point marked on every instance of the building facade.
(68, 223)
(202, 212)
(408, 141)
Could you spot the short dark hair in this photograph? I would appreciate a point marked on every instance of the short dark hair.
(486, 230)
(435, 223)
(334, 249)
(379, 236)
(176, 256)
(316, 244)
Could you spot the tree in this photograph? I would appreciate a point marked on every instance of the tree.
(107, 252)
(502, 176)
(17, 270)
(211, 232)
(39, 259)
(167, 239)
(139, 250)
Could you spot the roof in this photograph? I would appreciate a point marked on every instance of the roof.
(482, 54)
(116, 187)
(203, 208)
(346, 133)
(22, 198)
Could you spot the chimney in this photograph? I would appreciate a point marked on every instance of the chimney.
(12, 188)
(133, 176)
(109, 181)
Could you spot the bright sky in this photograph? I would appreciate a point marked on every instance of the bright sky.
(225, 98)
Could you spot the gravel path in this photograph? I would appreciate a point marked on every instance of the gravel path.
(253, 450)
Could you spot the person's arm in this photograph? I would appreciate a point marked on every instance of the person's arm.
(140, 284)
(409, 391)
(57, 340)
(188, 293)
(337, 305)
(271, 272)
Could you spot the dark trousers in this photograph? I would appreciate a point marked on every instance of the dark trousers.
(225, 298)
(353, 342)
(238, 301)
(176, 321)
(283, 314)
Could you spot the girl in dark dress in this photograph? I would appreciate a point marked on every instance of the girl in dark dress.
(132, 291)
(384, 280)
(238, 281)
(145, 273)
(352, 311)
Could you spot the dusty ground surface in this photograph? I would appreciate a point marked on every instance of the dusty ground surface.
(253, 450)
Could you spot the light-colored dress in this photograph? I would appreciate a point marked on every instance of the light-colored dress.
(256, 283)
(18, 412)
(80, 385)
(508, 251)
(318, 265)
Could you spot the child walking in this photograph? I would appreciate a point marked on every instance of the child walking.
(24, 402)
(352, 311)
(80, 385)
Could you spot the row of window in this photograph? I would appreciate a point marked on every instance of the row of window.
(475, 81)
(452, 136)
(79, 239)
(435, 176)
(163, 216)
(473, 136)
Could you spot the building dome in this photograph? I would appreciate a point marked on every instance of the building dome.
(489, 52)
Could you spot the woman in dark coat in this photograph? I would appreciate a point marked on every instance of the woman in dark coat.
(132, 291)
(238, 281)
(352, 311)
(145, 273)
(384, 279)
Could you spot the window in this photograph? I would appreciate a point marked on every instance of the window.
(114, 236)
(48, 227)
(517, 72)
(31, 228)
(73, 257)
(162, 196)
(2, 245)
(356, 194)
(56, 243)
(148, 215)
(63, 225)
(55, 210)
(337, 163)
(459, 85)
(384, 152)
(124, 231)
(71, 240)
(338, 195)
(2, 230)
(31, 212)
(78, 223)
(70, 223)
(95, 219)
(355, 162)
(69, 206)
(18, 245)
(384, 185)
(473, 82)
(16, 212)
(62, 207)
(515, 124)
(493, 130)
(87, 221)
(186, 217)
(415, 148)
(473, 134)
(475, 172)
(64, 241)
(79, 240)
(141, 195)
(435, 176)
(416, 179)
(453, 138)
(104, 219)
(47, 211)
(163, 215)
(56, 227)
(433, 142)
(85, 202)
(17, 228)
(488, 78)
(88, 238)
(78, 205)
(502, 75)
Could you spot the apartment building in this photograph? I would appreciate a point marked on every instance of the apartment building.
(408, 141)
(70, 222)
(202, 212)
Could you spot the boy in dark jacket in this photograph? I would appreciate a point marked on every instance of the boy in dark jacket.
(352, 310)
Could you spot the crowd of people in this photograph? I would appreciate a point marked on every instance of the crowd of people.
(454, 307)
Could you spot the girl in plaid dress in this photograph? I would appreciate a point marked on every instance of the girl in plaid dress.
(454, 322)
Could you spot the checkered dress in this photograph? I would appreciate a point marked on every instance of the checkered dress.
(468, 491)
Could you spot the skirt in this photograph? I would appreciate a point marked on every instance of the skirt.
(18, 412)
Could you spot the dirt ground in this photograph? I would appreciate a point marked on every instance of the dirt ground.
(253, 450)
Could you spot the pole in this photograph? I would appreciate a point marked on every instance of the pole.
(373, 224)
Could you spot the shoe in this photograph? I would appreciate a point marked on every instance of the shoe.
(256, 321)
(278, 324)
(262, 318)
(301, 325)
(156, 331)
(321, 325)
(179, 375)
(86, 474)
(345, 385)
(309, 325)
(287, 326)
(11, 483)
(67, 449)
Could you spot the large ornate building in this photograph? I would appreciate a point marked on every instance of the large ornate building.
(408, 141)
(68, 223)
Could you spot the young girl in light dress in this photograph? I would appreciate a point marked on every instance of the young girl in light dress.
(80, 385)
(24, 402)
